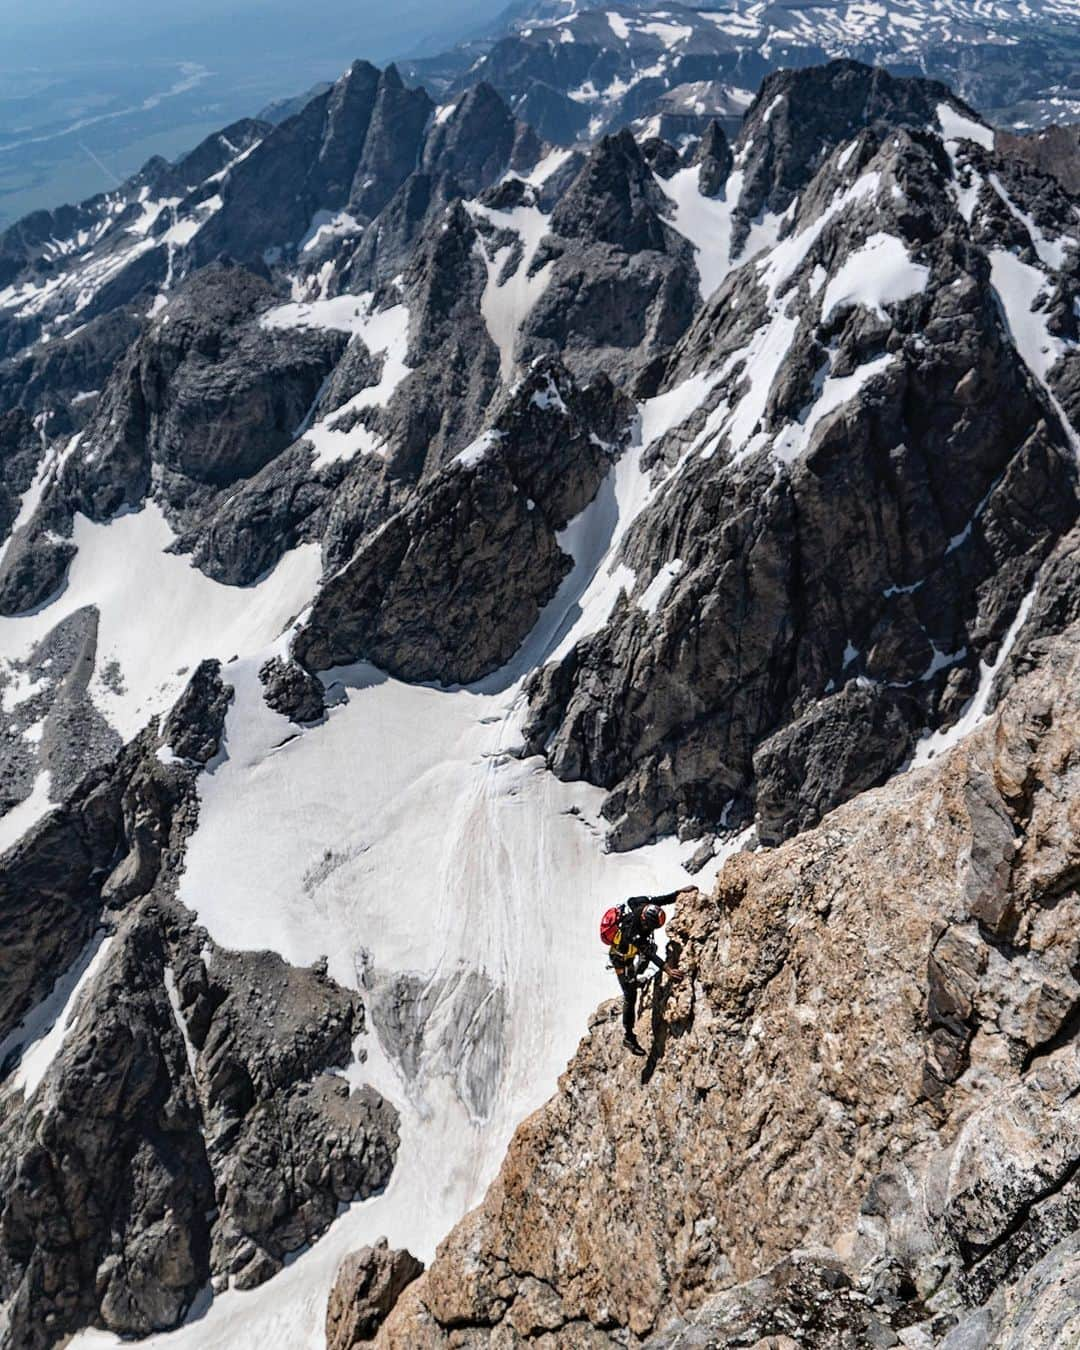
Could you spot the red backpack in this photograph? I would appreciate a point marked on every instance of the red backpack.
(609, 925)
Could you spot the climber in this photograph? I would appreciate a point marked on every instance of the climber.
(628, 930)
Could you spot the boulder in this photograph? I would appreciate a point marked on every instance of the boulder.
(368, 1285)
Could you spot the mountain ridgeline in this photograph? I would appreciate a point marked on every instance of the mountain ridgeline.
(746, 469)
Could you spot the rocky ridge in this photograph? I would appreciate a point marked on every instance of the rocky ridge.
(857, 1115)
(722, 291)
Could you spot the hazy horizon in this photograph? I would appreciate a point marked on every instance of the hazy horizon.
(89, 92)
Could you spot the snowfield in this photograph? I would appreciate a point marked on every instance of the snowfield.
(158, 618)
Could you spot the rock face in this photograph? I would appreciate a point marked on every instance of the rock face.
(292, 691)
(451, 585)
(368, 1285)
(689, 709)
(874, 1058)
(836, 309)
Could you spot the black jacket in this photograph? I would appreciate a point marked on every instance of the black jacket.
(633, 942)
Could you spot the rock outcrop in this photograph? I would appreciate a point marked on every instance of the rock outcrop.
(368, 1285)
(874, 1058)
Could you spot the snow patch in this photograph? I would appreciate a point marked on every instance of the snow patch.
(708, 222)
(478, 450)
(384, 332)
(158, 614)
(956, 127)
(178, 1013)
(650, 598)
(1019, 288)
(794, 440)
(879, 273)
(42, 1032)
(618, 25)
(507, 302)
(938, 742)
(328, 225)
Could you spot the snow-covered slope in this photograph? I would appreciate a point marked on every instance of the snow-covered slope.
(475, 532)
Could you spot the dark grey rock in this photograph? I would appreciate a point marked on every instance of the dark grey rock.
(449, 587)
(292, 691)
(193, 1125)
(196, 723)
(814, 763)
(210, 395)
(20, 450)
(713, 156)
(880, 549)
